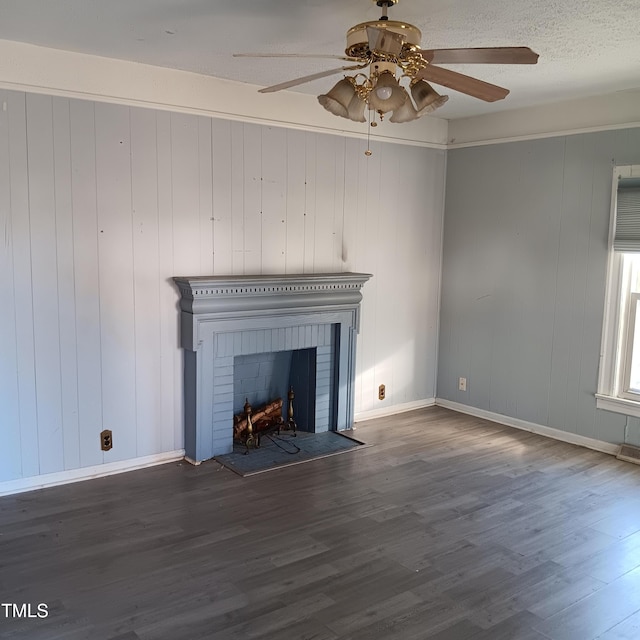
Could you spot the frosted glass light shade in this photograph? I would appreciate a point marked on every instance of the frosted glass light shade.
(356, 109)
(337, 100)
(386, 81)
(427, 99)
(404, 113)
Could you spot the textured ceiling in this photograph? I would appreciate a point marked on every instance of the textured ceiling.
(586, 47)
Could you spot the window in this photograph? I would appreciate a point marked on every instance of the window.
(619, 378)
(629, 328)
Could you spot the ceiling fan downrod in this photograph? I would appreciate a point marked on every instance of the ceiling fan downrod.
(384, 5)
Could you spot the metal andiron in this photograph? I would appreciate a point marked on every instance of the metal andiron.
(291, 423)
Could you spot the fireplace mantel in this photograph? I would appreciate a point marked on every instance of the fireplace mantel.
(227, 316)
(219, 294)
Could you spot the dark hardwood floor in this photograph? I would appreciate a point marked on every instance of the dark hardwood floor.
(447, 528)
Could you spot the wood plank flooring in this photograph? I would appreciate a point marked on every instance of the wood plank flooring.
(447, 528)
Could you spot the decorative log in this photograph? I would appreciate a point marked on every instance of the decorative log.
(269, 413)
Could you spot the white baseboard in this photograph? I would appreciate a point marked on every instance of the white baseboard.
(362, 416)
(87, 473)
(549, 432)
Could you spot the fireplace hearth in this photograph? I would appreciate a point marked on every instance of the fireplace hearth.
(225, 317)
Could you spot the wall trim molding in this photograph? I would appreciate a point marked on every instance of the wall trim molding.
(539, 136)
(549, 432)
(59, 73)
(55, 72)
(591, 114)
(195, 111)
(87, 473)
(363, 416)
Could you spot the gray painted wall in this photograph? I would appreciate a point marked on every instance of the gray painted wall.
(524, 272)
(101, 204)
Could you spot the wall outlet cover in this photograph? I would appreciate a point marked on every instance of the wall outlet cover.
(106, 440)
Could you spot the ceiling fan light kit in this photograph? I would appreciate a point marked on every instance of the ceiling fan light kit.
(391, 50)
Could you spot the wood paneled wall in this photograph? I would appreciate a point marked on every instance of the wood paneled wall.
(524, 273)
(101, 204)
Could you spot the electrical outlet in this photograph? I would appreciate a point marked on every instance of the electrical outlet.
(106, 440)
(381, 392)
(462, 384)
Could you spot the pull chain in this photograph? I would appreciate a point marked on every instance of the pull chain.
(368, 152)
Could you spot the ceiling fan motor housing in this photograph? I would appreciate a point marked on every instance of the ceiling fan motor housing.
(358, 39)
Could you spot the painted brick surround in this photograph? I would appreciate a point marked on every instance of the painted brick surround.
(227, 316)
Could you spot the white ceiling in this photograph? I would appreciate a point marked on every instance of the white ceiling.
(586, 47)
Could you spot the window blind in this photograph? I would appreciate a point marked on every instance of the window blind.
(627, 234)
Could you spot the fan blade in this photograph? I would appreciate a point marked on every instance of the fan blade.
(463, 84)
(383, 41)
(294, 55)
(313, 76)
(482, 55)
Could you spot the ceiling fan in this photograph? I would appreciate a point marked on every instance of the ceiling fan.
(391, 50)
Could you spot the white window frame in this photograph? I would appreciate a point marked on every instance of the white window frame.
(619, 320)
(630, 316)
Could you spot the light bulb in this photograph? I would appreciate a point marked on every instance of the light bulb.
(384, 93)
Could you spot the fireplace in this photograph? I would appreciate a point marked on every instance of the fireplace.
(227, 318)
